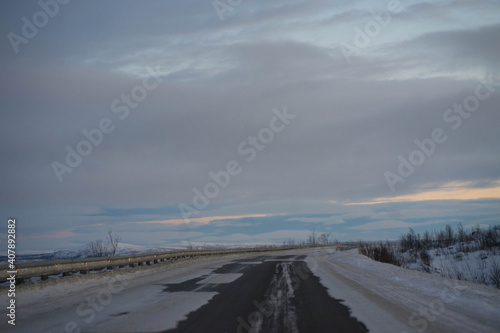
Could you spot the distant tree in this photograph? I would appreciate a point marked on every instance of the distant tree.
(100, 248)
(426, 240)
(407, 241)
(313, 237)
(450, 235)
(114, 240)
(441, 238)
(324, 238)
(96, 248)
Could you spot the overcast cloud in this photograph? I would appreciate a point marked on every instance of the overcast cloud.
(211, 84)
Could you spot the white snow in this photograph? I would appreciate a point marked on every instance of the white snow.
(384, 297)
(95, 303)
(476, 266)
(393, 299)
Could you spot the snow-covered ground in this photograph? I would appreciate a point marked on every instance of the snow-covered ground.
(477, 266)
(388, 298)
(384, 297)
(87, 302)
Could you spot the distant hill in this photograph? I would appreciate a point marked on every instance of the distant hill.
(125, 249)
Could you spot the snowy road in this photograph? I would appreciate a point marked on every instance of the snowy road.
(293, 291)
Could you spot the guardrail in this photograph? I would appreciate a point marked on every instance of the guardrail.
(70, 266)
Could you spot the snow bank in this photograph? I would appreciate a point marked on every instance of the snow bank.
(388, 298)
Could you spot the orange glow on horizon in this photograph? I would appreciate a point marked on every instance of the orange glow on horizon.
(448, 191)
(202, 220)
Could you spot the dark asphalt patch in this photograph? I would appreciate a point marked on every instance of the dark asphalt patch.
(232, 268)
(282, 257)
(254, 259)
(192, 285)
(189, 285)
(119, 314)
(233, 300)
(317, 310)
(276, 296)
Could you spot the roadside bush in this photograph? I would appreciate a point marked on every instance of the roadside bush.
(100, 248)
(453, 249)
(382, 252)
(426, 259)
(495, 273)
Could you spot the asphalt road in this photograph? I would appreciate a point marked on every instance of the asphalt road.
(269, 292)
(265, 294)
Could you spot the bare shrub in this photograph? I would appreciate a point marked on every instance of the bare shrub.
(495, 274)
(452, 247)
(114, 240)
(324, 238)
(96, 248)
(312, 239)
(99, 248)
(426, 261)
(385, 253)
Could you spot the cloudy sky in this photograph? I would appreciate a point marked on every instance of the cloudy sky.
(247, 121)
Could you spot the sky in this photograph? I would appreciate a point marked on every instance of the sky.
(247, 122)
